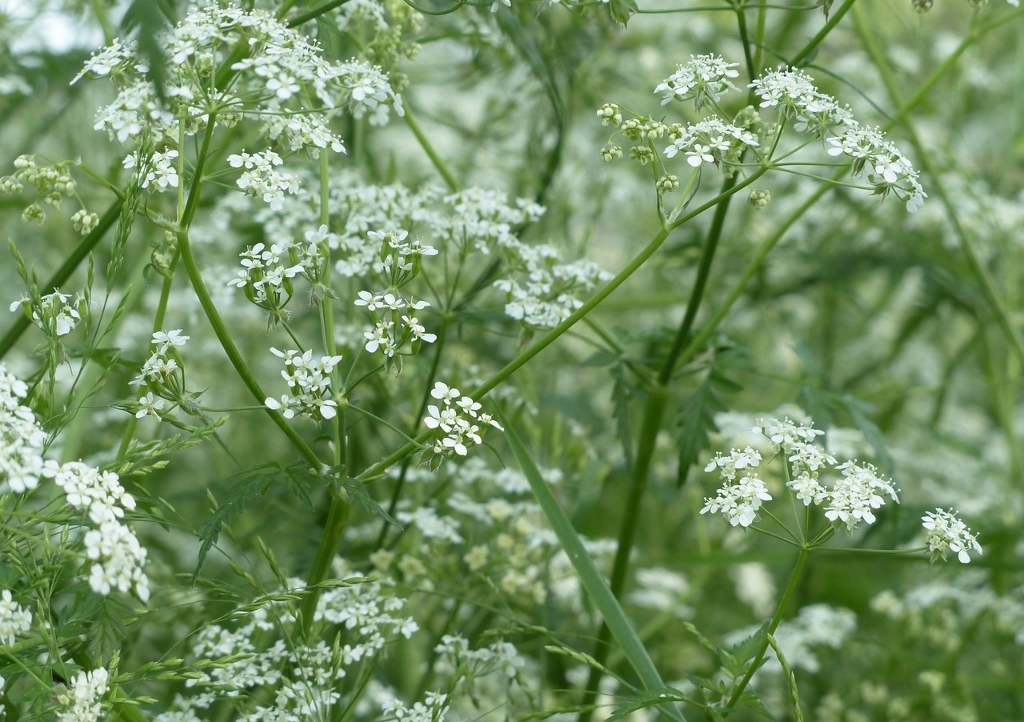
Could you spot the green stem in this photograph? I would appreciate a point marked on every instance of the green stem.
(700, 339)
(60, 277)
(814, 42)
(755, 663)
(213, 316)
(699, 286)
(741, 22)
(339, 510)
(315, 12)
(337, 521)
(437, 160)
(158, 323)
(654, 409)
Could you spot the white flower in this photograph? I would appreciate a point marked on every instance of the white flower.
(737, 459)
(455, 418)
(740, 501)
(82, 700)
(854, 497)
(947, 533)
(14, 619)
(309, 383)
(150, 405)
(704, 77)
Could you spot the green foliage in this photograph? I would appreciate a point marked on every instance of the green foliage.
(317, 249)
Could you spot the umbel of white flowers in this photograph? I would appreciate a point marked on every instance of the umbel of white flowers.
(849, 499)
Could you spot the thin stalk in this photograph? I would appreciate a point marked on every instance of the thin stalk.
(814, 42)
(213, 316)
(315, 12)
(755, 663)
(62, 274)
(400, 484)
(741, 22)
(428, 148)
(158, 322)
(340, 508)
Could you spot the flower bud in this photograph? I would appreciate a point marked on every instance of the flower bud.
(759, 199)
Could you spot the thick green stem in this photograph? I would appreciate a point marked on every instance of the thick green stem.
(654, 410)
(337, 521)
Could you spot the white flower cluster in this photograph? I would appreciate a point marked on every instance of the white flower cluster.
(83, 698)
(162, 372)
(887, 168)
(457, 420)
(541, 288)
(499, 657)
(946, 533)
(261, 180)
(704, 78)
(435, 705)
(14, 619)
(279, 74)
(542, 293)
(56, 313)
(793, 92)
(117, 558)
(795, 95)
(391, 313)
(114, 552)
(310, 385)
(739, 500)
(851, 499)
(21, 438)
(709, 141)
(267, 271)
(157, 169)
(303, 678)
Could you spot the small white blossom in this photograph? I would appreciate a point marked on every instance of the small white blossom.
(947, 533)
(14, 619)
(82, 700)
(739, 502)
(455, 420)
(21, 438)
(309, 382)
(704, 78)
